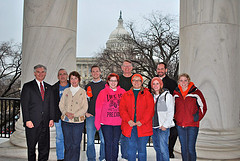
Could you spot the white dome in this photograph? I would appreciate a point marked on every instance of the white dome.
(120, 31)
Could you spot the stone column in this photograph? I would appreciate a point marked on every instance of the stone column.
(49, 38)
(210, 54)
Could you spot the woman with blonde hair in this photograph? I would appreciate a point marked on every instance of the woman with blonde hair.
(190, 108)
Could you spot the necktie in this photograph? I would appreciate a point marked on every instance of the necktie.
(42, 91)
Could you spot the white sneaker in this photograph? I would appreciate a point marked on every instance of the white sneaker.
(122, 159)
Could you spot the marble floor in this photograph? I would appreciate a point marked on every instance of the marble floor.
(9, 152)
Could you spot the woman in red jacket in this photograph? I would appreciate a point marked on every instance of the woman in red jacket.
(137, 110)
(190, 107)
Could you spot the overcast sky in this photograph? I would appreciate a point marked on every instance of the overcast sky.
(96, 19)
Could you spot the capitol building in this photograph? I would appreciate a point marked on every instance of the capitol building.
(114, 43)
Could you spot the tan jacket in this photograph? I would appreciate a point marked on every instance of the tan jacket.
(76, 104)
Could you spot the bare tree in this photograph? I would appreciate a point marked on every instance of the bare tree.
(111, 60)
(10, 69)
(156, 41)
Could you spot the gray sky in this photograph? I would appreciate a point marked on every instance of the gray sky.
(96, 19)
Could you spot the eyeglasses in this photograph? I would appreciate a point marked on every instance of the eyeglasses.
(113, 81)
(137, 80)
(127, 66)
(160, 68)
(63, 74)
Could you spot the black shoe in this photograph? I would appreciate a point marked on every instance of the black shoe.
(171, 155)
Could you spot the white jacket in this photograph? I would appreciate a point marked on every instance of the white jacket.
(165, 110)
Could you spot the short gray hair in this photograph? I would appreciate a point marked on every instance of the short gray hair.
(61, 70)
(127, 60)
(39, 66)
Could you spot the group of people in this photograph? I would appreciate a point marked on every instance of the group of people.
(120, 109)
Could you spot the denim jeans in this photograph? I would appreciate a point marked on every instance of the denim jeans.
(72, 133)
(139, 144)
(124, 146)
(91, 131)
(160, 143)
(59, 140)
(188, 138)
(111, 136)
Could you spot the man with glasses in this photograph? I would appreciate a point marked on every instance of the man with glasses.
(125, 78)
(58, 89)
(125, 83)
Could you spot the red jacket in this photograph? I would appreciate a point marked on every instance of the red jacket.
(145, 112)
(189, 111)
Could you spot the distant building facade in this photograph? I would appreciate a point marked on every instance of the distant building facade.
(84, 65)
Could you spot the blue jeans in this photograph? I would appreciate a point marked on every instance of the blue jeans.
(124, 146)
(139, 144)
(188, 138)
(111, 137)
(160, 144)
(91, 131)
(59, 140)
(72, 133)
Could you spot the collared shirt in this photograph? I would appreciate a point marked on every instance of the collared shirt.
(38, 83)
(96, 81)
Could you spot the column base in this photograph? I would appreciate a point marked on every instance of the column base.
(18, 138)
(217, 144)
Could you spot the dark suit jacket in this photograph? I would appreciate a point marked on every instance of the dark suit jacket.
(33, 108)
(56, 99)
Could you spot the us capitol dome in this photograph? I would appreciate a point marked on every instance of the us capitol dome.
(115, 41)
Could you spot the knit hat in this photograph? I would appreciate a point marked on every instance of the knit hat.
(159, 80)
(137, 75)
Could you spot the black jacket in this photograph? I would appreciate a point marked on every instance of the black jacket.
(56, 99)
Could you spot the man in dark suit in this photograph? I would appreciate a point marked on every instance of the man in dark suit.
(38, 114)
